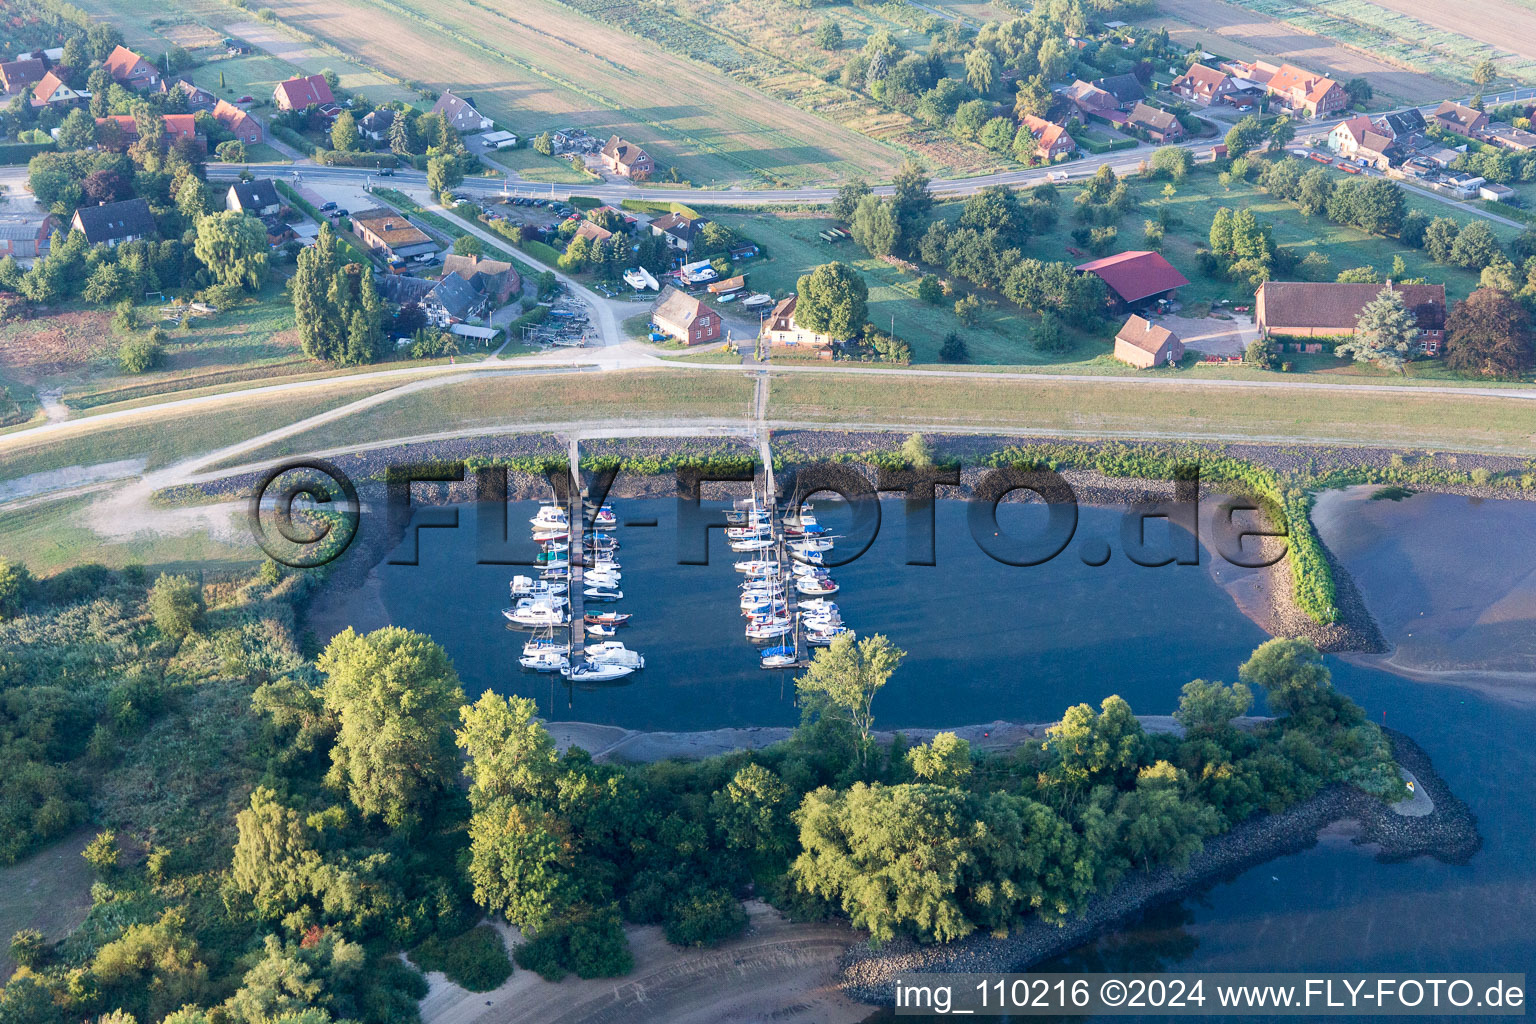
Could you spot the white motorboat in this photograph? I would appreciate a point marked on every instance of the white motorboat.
(755, 301)
(816, 586)
(602, 577)
(759, 567)
(602, 594)
(604, 517)
(538, 612)
(824, 637)
(550, 515)
(613, 652)
(776, 609)
(815, 604)
(751, 544)
(545, 661)
(595, 672)
(761, 529)
(808, 544)
(601, 630)
(526, 586)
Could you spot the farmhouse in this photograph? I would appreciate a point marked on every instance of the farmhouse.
(626, 159)
(454, 300)
(1454, 117)
(1359, 138)
(780, 328)
(1204, 85)
(1143, 344)
(111, 224)
(1300, 91)
(258, 198)
(1304, 309)
(51, 91)
(493, 278)
(461, 114)
(1160, 125)
(375, 124)
(1051, 140)
(16, 75)
(131, 70)
(298, 93)
(679, 229)
(1135, 278)
(388, 232)
(685, 318)
(25, 239)
(1508, 137)
(246, 128)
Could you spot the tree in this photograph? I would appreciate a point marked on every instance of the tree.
(1033, 97)
(954, 349)
(443, 173)
(1281, 132)
(344, 134)
(1359, 275)
(1485, 72)
(829, 36)
(176, 605)
(1384, 332)
(16, 586)
(1210, 707)
(192, 198)
(1162, 824)
(1440, 238)
(1359, 91)
(752, 812)
(29, 948)
(944, 760)
(931, 290)
(980, 70)
(541, 144)
(1174, 161)
(916, 452)
(103, 853)
(911, 199)
(394, 693)
(970, 117)
(844, 678)
(1243, 136)
(1291, 674)
(233, 246)
(1089, 748)
(78, 130)
(468, 245)
(848, 199)
(874, 226)
(1489, 334)
(1050, 336)
(230, 151)
(104, 286)
(832, 299)
(1261, 353)
(968, 310)
(1475, 246)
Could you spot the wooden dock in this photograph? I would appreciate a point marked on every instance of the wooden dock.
(576, 516)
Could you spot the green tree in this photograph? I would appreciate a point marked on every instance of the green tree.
(176, 604)
(874, 226)
(1384, 332)
(931, 290)
(1359, 275)
(77, 131)
(508, 751)
(849, 195)
(344, 134)
(1489, 334)
(543, 144)
(843, 679)
(443, 173)
(829, 36)
(980, 70)
(192, 198)
(954, 349)
(104, 286)
(103, 853)
(230, 151)
(944, 760)
(832, 299)
(468, 245)
(916, 451)
(1163, 825)
(970, 117)
(1174, 161)
(752, 812)
(140, 353)
(1243, 136)
(1291, 674)
(403, 141)
(394, 693)
(233, 246)
(1206, 707)
(1475, 246)
(29, 948)
(1089, 748)
(1281, 132)
(1440, 238)
(1485, 72)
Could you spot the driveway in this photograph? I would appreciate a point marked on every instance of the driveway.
(1212, 336)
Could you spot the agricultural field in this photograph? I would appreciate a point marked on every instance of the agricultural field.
(1002, 334)
(541, 65)
(1500, 24)
(1244, 32)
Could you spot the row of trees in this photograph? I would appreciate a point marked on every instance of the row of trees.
(339, 313)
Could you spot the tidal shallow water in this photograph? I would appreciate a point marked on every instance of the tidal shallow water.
(1449, 579)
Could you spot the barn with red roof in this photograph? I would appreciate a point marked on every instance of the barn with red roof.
(1134, 278)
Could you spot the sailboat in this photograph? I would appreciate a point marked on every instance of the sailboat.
(783, 656)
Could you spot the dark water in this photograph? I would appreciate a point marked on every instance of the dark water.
(988, 641)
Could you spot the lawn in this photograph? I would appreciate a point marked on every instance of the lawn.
(534, 166)
(1147, 410)
(261, 153)
(56, 535)
(792, 247)
(50, 890)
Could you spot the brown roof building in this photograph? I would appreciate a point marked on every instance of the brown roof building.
(389, 231)
(1462, 120)
(780, 328)
(1136, 276)
(1204, 85)
(1305, 309)
(51, 89)
(1159, 124)
(1306, 91)
(298, 93)
(587, 229)
(246, 128)
(685, 318)
(626, 159)
(495, 278)
(1144, 345)
(1052, 140)
(16, 75)
(131, 70)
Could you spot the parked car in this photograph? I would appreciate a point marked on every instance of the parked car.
(425, 257)
(327, 207)
(246, 99)
(342, 212)
(386, 172)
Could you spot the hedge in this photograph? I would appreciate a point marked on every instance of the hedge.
(541, 252)
(291, 137)
(335, 158)
(21, 152)
(585, 202)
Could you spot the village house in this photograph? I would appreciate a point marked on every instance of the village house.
(245, 127)
(112, 224)
(1144, 344)
(388, 232)
(1160, 125)
(1051, 140)
(1126, 90)
(1360, 138)
(1091, 101)
(626, 159)
(1462, 120)
(1204, 85)
(1305, 309)
(680, 230)
(130, 70)
(1135, 278)
(1298, 90)
(298, 93)
(780, 328)
(460, 114)
(375, 124)
(198, 98)
(454, 300)
(592, 232)
(498, 280)
(1403, 124)
(25, 238)
(681, 316)
(1505, 136)
(127, 130)
(16, 75)
(183, 126)
(51, 91)
(257, 197)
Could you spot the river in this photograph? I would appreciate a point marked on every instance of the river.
(1450, 580)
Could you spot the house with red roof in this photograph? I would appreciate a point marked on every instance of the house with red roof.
(1360, 138)
(298, 93)
(182, 126)
(131, 70)
(1052, 140)
(1204, 85)
(246, 128)
(51, 91)
(1135, 278)
(1307, 92)
(127, 130)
